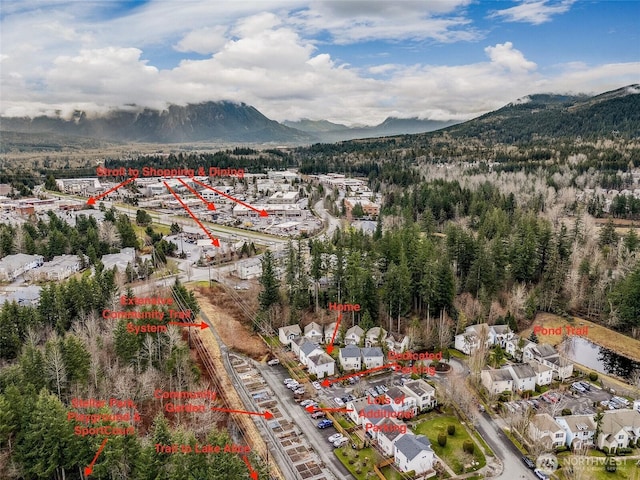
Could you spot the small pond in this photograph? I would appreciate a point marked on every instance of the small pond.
(601, 359)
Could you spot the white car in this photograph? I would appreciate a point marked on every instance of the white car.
(316, 385)
(335, 437)
(340, 442)
(339, 401)
(287, 381)
(273, 362)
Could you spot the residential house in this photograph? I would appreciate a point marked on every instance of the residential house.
(619, 429)
(389, 431)
(547, 355)
(297, 343)
(424, 394)
(307, 349)
(59, 268)
(321, 364)
(397, 342)
(470, 340)
(414, 453)
(375, 337)
(328, 333)
(401, 402)
(354, 335)
(497, 381)
(350, 358)
(544, 373)
(524, 377)
(545, 430)
(372, 415)
(288, 333)
(579, 430)
(313, 332)
(500, 335)
(12, 266)
(354, 407)
(372, 357)
(515, 346)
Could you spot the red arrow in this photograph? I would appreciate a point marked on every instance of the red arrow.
(252, 472)
(92, 200)
(210, 206)
(326, 382)
(88, 470)
(266, 414)
(263, 213)
(312, 409)
(214, 240)
(202, 325)
(333, 337)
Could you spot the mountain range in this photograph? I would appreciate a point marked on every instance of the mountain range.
(526, 119)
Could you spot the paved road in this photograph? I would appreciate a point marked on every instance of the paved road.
(505, 451)
(317, 438)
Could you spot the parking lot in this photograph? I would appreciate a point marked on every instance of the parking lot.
(580, 402)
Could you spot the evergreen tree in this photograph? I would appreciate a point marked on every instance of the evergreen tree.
(269, 295)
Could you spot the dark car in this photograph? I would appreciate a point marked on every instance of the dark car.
(529, 463)
(325, 424)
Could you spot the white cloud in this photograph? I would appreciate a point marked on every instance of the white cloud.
(535, 12)
(203, 40)
(357, 21)
(266, 54)
(508, 57)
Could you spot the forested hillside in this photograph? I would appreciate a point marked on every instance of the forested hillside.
(64, 351)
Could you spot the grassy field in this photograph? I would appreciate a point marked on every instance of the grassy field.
(452, 452)
(598, 334)
(367, 458)
(627, 470)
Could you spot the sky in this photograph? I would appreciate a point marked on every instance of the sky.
(352, 62)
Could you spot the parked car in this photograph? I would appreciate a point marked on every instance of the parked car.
(334, 437)
(318, 414)
(586, 386)
(541, 475)
(306, 403)
(529, 463)
(339, 401)
(273, 361)
(322, 424)
(316, 385)
(287, 381)
(340, 442)
(299, 391)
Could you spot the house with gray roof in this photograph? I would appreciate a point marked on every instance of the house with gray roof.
(350, 358)
(321, 364)
(313, 332)
(287, 333)
(524, 377)
(497, 381)
(413, 453)
(12, 266)
(354, 335)
(372, 357)
(307, 349)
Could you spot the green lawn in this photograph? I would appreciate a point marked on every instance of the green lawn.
(452, 452)
(391, 473)
(367, 458)
(627, 470)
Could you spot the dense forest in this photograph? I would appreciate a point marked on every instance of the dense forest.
(64, 349)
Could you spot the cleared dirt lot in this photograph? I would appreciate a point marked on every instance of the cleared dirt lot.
(223, 311)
